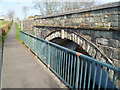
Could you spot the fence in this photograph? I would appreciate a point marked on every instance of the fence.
(74, 69)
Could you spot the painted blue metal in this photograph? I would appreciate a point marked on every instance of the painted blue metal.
(106, 80)
(74, 69)
(85, 74)
(94, 76)
(100, 78)
(81, 72)
(77, 72)
(89, 77)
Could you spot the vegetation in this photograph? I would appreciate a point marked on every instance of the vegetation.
(0, 39)
(2, 22)
(5, 28)
(17, 32)
(52, 7)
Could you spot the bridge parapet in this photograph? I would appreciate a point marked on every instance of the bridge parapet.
(70, 66)
(101, 23)
(103, 16)
(107, 41)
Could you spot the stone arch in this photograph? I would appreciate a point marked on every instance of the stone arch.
(87, 45)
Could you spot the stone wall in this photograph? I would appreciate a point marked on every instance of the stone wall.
(103, 16)
(27, 24)
(94, 19)
(107, 41)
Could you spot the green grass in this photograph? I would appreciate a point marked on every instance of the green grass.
(17, 32)
(0, 39)
(3, 22)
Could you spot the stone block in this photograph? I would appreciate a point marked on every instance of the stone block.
(90, 50)
(102, 41)
(116, 53)
(108, 51)
(113, 18)
(116, 62)
(114, 43)
(103, 59)
(83, 45)
(87, 37)
(88, 47)
(93, 53)
(114, 24)
(98, 55)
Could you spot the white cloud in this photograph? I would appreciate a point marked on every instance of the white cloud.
(104, 1)
(57, 0)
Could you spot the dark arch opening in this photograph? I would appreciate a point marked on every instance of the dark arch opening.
(69, 44)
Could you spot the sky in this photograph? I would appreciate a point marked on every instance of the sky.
(17, 6)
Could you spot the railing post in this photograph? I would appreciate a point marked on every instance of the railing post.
(48, 54)
(77, 72)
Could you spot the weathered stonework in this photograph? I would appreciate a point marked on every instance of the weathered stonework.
(95, 29)
(85, 44)
(28, 24)
(106, 16)
(106, 41)
(90, 48)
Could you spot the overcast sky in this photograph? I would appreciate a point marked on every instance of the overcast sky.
(16, 6)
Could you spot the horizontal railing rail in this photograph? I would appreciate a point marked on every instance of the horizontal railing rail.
(74, 69)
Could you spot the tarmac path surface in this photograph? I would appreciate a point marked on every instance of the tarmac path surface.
(21, 69)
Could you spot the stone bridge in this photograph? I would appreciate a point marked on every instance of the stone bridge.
(93, 31)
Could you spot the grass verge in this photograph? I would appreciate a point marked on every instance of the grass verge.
(17, 32)
(3, 22)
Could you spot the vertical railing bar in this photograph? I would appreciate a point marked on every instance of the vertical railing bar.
(63, 63)
(94, 76)
(68, 70)
(89, 78)
(71, 66)
(48, 55)
(81, 72)
(114, 78)
(106, 81)
(66, 59)
(74, 70)
(57, 60)
(77, 72)
(46, 51)
(85, 74)
(51, 57)
(100, 78)
(54, 59)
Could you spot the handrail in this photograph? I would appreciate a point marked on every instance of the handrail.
(66, 64)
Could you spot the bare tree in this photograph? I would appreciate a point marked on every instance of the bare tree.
(10, 15)
(25, 9)
(46, 7)
(78, 4)
(51, 7)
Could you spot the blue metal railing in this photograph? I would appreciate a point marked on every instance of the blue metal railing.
(74, 69)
